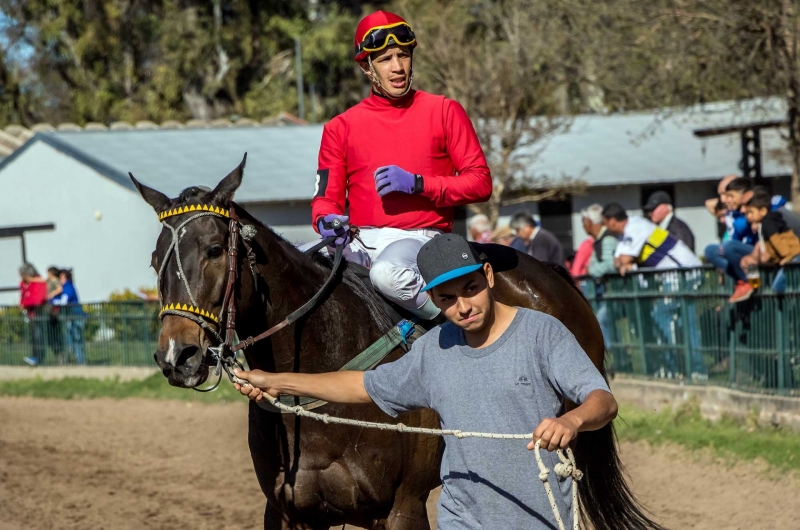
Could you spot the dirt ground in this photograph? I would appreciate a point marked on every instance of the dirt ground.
(107, 464)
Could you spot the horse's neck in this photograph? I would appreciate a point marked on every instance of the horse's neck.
(291, 280)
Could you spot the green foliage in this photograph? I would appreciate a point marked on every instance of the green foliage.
(153, 387)
(726, 438)
(107, 60)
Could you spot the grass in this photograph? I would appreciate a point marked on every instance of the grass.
(727, 438)
(153, 387)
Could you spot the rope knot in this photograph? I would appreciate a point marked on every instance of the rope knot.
(459, 434)
(563, 470)
(326, 419)
(401, 427)
(544, 474)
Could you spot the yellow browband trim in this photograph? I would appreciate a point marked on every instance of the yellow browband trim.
(189, 309)
(194, 208)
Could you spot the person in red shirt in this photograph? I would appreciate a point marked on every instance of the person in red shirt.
(33, 296)
(401, 159)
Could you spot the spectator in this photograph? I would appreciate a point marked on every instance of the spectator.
(777, 242)
(33, 295)
(503, 236)
(55, 325)
(727, 257)
(604, 241)
(580, 261)
(73, 315)
(535, 240)
(647, 244)
(720, 212)
(479, 228)
(712, 205)
(601, 262)
(659, 210)
(644, 243)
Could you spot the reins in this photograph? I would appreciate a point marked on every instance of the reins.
(224, 354)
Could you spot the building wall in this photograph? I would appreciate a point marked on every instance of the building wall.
(104, 231)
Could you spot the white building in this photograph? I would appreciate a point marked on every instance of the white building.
(105, 231)
(78, 181)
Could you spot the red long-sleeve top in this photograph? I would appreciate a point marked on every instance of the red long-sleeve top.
(422, 133)
(32, 295)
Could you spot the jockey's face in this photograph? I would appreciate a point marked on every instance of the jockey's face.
(393, 69)
(467, 301)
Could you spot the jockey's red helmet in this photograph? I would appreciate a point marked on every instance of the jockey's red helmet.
(376, 30)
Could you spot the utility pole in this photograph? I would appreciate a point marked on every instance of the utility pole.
(298, 65)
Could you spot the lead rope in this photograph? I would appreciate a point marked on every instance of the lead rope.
(566, 468)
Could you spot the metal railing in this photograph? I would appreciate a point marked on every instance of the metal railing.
(678, 325)
(112, 333)
(673, 325)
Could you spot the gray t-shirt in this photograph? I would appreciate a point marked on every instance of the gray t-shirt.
(508, 387)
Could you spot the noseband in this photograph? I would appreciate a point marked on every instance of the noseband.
(224, 354)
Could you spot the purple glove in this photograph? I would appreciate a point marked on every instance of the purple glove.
(393, 178)
(335, 225)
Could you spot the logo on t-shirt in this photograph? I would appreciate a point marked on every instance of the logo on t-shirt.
(522, 380)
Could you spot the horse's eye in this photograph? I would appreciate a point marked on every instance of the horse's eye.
(214, 252)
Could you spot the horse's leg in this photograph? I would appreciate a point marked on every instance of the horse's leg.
(408, 513)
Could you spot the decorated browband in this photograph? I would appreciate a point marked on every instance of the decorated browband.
(194, 208)
(189, 309)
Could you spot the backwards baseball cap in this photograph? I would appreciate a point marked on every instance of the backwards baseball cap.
(446, 257)
(656, 199)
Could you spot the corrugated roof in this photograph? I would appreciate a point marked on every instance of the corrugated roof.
(639, 148)
(629, 148)
(281, 161)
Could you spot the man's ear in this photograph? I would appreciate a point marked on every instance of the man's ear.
(489, 272)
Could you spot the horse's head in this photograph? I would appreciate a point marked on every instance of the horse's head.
(191, 260)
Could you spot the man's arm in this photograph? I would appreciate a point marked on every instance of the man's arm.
(711, 206)
(474, 181)
(597, 410)
(336, 387)
(330, 192)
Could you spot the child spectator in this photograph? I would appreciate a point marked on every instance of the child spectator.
(73, 315)
(777, 243)
(727, 257)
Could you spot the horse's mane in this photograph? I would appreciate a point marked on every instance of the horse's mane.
(323, 263)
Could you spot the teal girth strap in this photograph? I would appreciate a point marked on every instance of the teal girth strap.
(366, 360)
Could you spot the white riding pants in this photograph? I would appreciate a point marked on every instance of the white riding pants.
(392, 264)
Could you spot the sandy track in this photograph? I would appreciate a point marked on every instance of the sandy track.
(107, 464)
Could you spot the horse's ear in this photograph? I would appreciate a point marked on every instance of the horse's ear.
(154, 198)
(223, 193)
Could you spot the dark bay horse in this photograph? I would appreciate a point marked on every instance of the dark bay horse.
(314, 475)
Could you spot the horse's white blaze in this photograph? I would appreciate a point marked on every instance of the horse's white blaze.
(170, 358)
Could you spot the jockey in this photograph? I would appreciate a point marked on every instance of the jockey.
(402, 159)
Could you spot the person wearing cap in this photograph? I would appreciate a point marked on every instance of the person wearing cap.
(658, 209)
(402, 158)
(490, 368)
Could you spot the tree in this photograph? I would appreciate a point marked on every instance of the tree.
(109, 60)
(505, 63)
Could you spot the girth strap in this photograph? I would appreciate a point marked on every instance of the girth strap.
(366, 360)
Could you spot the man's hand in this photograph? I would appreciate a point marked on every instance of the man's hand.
(259, 382)
(393, 178)
(748, 261)
(335, 225)
(555, 433)
(624, 268)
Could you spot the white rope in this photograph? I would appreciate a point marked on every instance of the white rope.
(566, 468)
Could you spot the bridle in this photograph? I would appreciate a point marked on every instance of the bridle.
(224, 355)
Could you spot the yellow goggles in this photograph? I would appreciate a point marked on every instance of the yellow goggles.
(377, 39)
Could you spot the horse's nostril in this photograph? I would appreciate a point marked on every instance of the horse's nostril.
(186, 357)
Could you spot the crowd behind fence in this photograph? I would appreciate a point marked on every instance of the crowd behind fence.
(672, 325)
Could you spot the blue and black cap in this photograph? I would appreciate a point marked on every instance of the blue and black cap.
(446, 257)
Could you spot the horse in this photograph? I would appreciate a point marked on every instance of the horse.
(314, 475)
